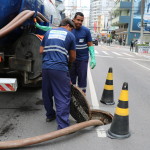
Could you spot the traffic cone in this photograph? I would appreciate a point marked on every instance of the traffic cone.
(108, 94)
(120, 124)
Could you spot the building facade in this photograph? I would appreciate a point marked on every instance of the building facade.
(127, 16)
(70, 8)
(99, 12)
(73, 6)
(121, 17)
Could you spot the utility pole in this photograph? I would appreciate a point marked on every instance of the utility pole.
(142, 22)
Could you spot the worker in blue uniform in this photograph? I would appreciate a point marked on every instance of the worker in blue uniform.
(84, 46)
(56, 46)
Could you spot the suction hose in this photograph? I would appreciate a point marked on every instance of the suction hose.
(42, 17)
(49, 136)
(38, 18)
(16, 24)
(18, 20)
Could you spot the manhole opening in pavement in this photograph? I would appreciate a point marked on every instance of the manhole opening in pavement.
(80, 109)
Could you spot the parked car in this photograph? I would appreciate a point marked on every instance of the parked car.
(95, 40)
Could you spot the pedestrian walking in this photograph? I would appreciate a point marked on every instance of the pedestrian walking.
(108, 41)
(56, 46)
(84, 47)
(131, 45)
(120, 41)
(124, 42)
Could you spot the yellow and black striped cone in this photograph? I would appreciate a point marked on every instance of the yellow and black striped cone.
(120, 124)
(108, 93)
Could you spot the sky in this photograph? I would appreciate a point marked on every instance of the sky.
(81, 4)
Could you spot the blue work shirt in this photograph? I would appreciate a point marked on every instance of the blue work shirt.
(82, 36)
(57, 43)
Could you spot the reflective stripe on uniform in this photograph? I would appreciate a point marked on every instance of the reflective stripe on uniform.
(55, 50)
(56, 47)
(83, 46)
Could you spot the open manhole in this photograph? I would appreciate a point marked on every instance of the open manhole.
(80, 110)
(104, 116)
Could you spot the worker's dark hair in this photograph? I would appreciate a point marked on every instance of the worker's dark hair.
(66, 21)
(78, 14)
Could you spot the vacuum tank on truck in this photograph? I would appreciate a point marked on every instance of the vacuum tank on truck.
(19, 39)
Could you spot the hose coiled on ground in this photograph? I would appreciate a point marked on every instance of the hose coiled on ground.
(49, 136)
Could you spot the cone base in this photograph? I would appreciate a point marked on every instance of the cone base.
(116, 136)
(107, 103)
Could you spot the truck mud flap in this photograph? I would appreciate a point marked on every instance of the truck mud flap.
(20, 64)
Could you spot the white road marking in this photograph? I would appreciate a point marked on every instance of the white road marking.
(136, 54)
(105, 48)
(140, 65)
(128, 54)
(141, 55)
(105, 52)
(100, 131)
(92, 89)
(146, 56)
(116, 53)
(96, 52)
(129, 58)
(104, 56)
(134, 59)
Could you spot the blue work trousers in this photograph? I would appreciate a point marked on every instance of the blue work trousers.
(57, 83)
(79, 71)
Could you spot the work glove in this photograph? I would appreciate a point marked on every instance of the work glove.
(92, 55)
(44, 28)
(92, 63)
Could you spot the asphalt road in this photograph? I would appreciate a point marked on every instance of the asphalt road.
(22, 114)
